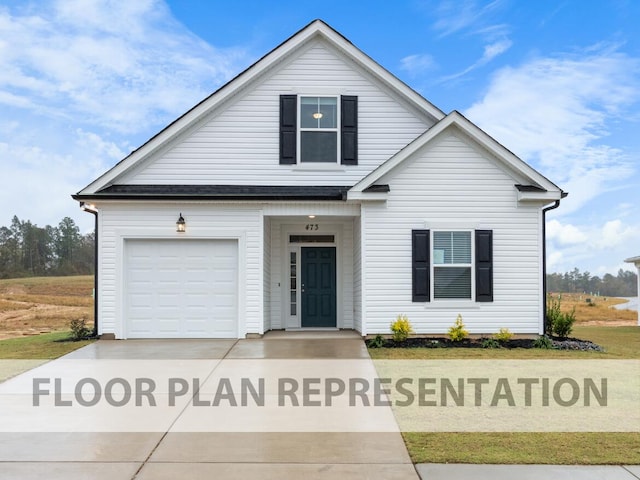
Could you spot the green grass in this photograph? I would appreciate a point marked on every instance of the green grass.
(525, 448)
(18, 355)
(528, 448)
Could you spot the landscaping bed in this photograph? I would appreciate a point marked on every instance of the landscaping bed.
(444, 342)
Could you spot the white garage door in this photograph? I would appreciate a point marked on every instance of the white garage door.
(181, 288)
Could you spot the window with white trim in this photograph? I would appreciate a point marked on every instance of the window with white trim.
(452, 264)
(319, 129)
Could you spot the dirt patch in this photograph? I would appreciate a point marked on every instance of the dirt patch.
(32, 306)
(609, 323)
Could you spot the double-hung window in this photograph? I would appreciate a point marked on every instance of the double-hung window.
(452, 265)
(318, 129)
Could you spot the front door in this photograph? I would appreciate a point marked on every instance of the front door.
(318, 286)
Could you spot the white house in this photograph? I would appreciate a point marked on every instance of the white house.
(318, 191)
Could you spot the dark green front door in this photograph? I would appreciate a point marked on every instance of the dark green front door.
(318, 287)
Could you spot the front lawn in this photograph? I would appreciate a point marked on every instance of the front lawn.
(20, 354)
(527, 448)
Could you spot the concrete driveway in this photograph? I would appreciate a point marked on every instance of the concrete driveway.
(190, 440)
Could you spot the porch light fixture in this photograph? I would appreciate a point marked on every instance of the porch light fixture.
(312, 216)
(317, 115)
(181, 225)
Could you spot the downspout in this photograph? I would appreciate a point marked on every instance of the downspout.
(544, 262)
(92, 209)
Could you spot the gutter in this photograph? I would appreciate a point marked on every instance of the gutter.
(544, 261)
(92, 209)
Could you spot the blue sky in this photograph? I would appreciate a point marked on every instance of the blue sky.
(83, 82)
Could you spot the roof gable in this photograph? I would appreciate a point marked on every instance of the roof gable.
(541, 188)
(316, 29)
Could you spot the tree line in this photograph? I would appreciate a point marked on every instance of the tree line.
(625, 284)
(27, 250)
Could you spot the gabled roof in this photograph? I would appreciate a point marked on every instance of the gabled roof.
(316, 29)
(538, 187)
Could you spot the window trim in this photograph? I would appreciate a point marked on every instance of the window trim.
(337, 129)
(471, 265)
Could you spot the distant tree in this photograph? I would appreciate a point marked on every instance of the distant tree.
(29, 250)
(622, 285)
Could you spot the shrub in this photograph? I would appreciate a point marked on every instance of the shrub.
(377, 342)
(79, 329)
(458, 332)
(553, 313)
(503, 335)
(543, 342)
(490, 343)
(564, 324)
(401, 328)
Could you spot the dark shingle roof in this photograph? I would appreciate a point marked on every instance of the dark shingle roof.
(218, 192)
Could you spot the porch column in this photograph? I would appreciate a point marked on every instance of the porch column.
(636, 262)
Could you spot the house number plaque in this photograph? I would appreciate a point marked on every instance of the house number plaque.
(311, 226)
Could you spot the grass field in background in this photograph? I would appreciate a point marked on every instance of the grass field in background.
(30, 306)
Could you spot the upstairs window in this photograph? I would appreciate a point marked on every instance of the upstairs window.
(318, 129)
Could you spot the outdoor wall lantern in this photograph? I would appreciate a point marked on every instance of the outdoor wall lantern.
(181, 225)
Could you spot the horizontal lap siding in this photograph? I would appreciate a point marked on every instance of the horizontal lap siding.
(117, 220)
(452, 182)
(357, 273)
(239, 145)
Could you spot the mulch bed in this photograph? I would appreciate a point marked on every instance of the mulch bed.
(444, 342)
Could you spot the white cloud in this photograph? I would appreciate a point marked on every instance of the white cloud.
(491, 51)
(458, 15)
(477, 20)
(598, 247)
(114, 64)
(554, 113)
(494, 49)
(565, 234)
(417, 64)
(81, 81)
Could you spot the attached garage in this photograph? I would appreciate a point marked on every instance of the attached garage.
(181, 288)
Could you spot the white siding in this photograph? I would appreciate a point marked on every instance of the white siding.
(239, 143)
(357, 276)
(449, 181)
(120, 221)
(267, 274)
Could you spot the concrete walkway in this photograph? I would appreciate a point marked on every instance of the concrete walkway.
(191, 442)
(181, 449)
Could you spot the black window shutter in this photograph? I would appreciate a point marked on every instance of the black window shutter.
(349, 130)
(420, 265)
(484, 266)
(288, 125)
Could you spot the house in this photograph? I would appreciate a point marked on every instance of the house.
(316, 190)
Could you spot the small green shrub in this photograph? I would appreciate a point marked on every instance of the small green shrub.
(553, 313)
(543, 342)
(377, 342)
(79, 329)
(401, 328)
(503, 335)
(490, 343)
(563, 325)
(458, 332)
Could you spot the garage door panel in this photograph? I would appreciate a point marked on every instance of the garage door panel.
(181, 288)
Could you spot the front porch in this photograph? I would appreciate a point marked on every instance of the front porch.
(312, 269)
